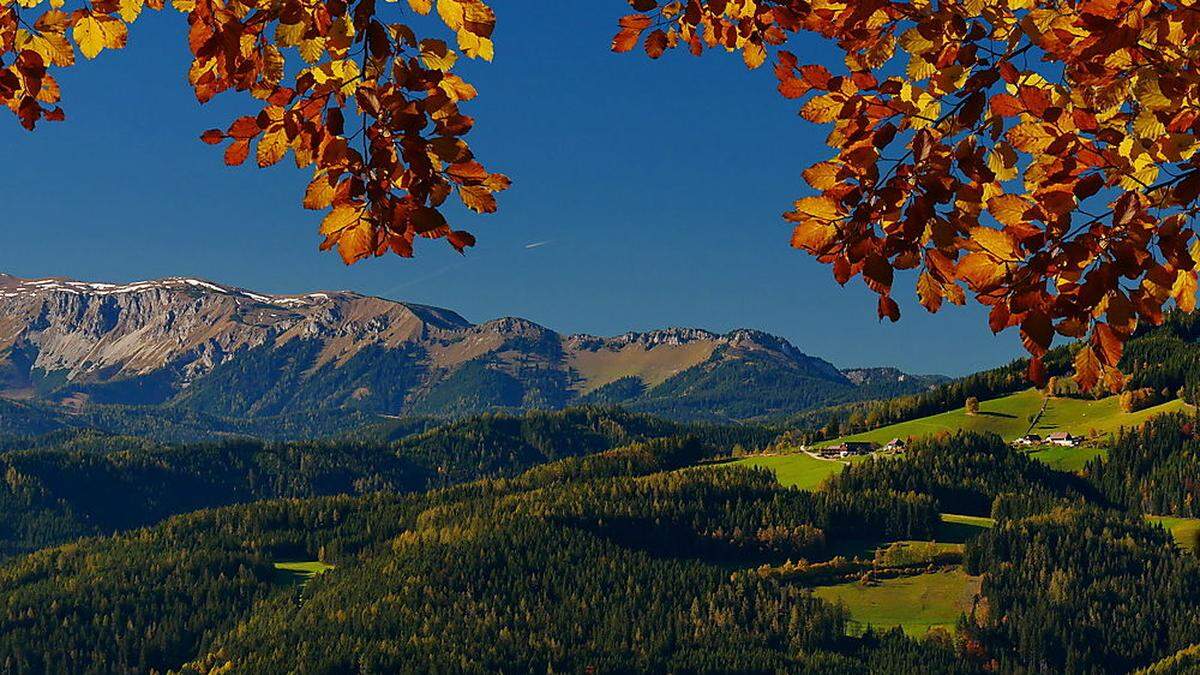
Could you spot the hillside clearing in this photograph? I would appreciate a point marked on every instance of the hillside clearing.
(959, 528)
(300, 571)
(916, 603)
(1185, 530)
(797, 469)
(1071, 460)
(1009, 416)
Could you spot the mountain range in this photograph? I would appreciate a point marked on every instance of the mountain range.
(219, 350)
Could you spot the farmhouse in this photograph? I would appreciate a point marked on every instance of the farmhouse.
(848, 449)
(1064, 438)
(895, 445)
(1028, 440)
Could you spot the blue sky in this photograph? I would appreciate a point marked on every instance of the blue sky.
(656, 187)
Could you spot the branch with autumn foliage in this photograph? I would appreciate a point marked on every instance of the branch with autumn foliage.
(1044, 153)
(382, 175)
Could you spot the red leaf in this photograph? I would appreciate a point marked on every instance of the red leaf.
(888, 308)
(237, 152)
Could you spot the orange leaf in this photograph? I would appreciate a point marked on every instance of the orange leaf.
(1087, 368)
(237, 152)
(1008, 209)
(1107, 343)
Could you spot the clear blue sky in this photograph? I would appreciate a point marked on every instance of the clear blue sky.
(657, 187)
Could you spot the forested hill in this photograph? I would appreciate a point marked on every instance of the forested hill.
(236, 358)
(74, 483)
(612, 562)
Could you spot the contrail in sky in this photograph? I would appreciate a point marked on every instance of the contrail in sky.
(537, 244)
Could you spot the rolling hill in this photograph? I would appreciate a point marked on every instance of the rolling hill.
(1011, 416)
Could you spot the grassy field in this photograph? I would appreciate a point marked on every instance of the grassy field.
(1009, 416)
(1070, 460)
(958, 529)
(796, 469)
(1186, 530)
(300, 571)
(914, 603)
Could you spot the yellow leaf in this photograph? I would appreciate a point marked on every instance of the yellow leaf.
(914, 43)
(421, 6)
(320, 192)
(89, 35)
(1002, 160)
(272, 147)
(822, 176)
(340, 218)
(1149, 93)
(919, 69)
(1030, 137)
(996, 242)
(116, 34)
(131, 9)
(54, 49)
(50, 91)
(475, 46)
(1147, 124)
(929, 291)
(273, 63)
(290, 35)
(821, 208)
(754, 55)
(356, 242)
(457, 88)
(312, 50)
(451, 12)
(1184, 290)
(822, 109)
(437, 56)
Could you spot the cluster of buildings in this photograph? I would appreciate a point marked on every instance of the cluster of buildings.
(855, 448)
(1062, 438)
(847, 449)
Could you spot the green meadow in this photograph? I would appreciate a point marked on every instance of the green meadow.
(916, 603)
(1071, 460)
(796, 469)
(1010, 416)
(1185, 530)
(300, 571)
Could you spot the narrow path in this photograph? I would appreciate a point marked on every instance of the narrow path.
(1038, 417)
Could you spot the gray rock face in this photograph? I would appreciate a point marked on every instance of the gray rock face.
(92, 332)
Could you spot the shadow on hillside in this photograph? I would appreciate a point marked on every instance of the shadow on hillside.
(996, 414)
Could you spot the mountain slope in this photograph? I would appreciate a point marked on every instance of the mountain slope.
(225, 351)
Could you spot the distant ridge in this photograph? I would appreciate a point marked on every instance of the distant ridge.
(223, 350)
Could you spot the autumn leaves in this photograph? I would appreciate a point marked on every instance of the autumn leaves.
(369, 106)
(384, 169)
(1037, 154)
